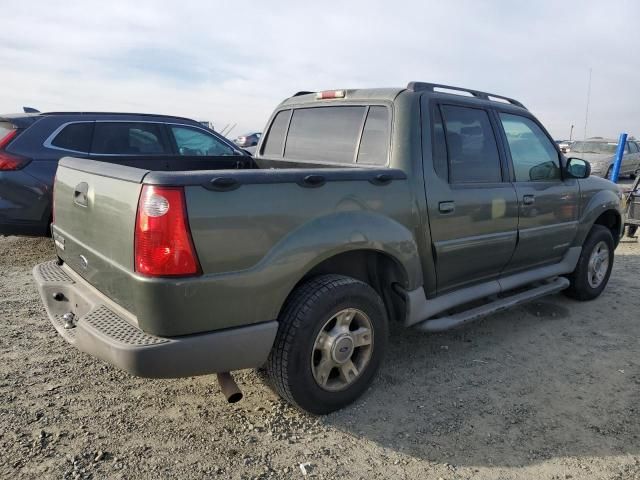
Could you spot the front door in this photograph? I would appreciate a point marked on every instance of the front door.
(548, 204)
(471, 203)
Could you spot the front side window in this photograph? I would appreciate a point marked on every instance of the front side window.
(75, 136)
(374, 144)
(325, 134)
(128, 138)
(533, 154)
(471, 144)
(191, 141)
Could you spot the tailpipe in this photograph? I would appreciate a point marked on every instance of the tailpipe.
(229, 387)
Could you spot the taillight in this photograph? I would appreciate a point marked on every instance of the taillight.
(53, 201)
(10, 161)
(163, 244)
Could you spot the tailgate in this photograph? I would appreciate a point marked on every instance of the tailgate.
(95, 207)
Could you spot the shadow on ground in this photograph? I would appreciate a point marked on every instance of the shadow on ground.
(554, 378)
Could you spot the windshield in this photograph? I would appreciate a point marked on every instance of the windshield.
(594, 147)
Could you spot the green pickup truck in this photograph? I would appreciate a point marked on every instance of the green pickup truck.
(428, 205)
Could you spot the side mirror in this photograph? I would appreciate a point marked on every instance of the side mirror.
(578, 168)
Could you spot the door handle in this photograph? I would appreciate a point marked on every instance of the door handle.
(528, 199)
(80, 194)
(446, 207)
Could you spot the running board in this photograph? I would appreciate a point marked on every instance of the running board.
(458, 319)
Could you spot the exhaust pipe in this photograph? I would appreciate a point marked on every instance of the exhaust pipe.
(229, 387)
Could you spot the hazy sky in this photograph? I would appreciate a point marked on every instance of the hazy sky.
(234, 61)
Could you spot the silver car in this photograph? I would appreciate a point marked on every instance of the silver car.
(600, 153)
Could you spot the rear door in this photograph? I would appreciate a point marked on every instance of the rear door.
(547, 203)
(634, 156)
(471, 203)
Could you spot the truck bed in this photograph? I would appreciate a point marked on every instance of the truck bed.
(240, 221)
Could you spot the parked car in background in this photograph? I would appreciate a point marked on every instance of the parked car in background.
(248, 140)
(360, 208)
(564, 145)
(32, 143)
(600, 153)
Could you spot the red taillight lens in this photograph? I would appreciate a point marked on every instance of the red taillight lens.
(9, 161)
(163, 245)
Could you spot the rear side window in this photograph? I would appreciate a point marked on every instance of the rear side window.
(191, 141)
(275, 139)
(473, 152)
(374, 145)
(75, 136)
(633, 147)
(128, 138)
(326, 134)
(533, 155)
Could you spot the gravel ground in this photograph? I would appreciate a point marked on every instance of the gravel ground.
(546, 391)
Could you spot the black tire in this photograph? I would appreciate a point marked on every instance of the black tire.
(631, 231)
(308, 309)
(580, 288)
(609, 173)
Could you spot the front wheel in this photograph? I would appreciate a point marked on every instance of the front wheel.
(592, 272)
(330, 343)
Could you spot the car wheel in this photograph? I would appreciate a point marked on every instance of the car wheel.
(631, 231)
(592, 272)
(330, 343)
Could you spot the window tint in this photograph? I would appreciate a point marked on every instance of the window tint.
(191, 141)
(439, 145)
(126, 138)
(275, 139)
(374, 145)
(76, 136)
(473, 153)
(534, 156)
(633, 147)
(328, 134)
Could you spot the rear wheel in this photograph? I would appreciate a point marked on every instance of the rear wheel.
(592, 272)
(330, 343)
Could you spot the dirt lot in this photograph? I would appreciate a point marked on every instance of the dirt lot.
(548, 391)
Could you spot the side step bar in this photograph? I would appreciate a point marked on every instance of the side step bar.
(458, 319)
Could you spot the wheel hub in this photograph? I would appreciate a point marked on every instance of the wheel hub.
(342, 349)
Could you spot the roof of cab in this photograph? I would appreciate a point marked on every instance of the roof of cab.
(390, 94)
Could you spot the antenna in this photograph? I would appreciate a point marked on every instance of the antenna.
(586, 115)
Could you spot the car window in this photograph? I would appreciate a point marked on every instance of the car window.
(274, 142)
(374, 145)
(633, 147)
(326, 134)
(471, 146)
(75, 136)
(191, 141)
(594, 147)
(534, 156)
(128, 138)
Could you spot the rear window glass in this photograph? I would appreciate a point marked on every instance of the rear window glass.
(125, 138)
(374, 144)
(76, 136)
(5, 128)
(325, 134)
(277, 131)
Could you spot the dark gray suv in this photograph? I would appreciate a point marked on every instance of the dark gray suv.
(32, 144)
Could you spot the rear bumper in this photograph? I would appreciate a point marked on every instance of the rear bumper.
(106, 331)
